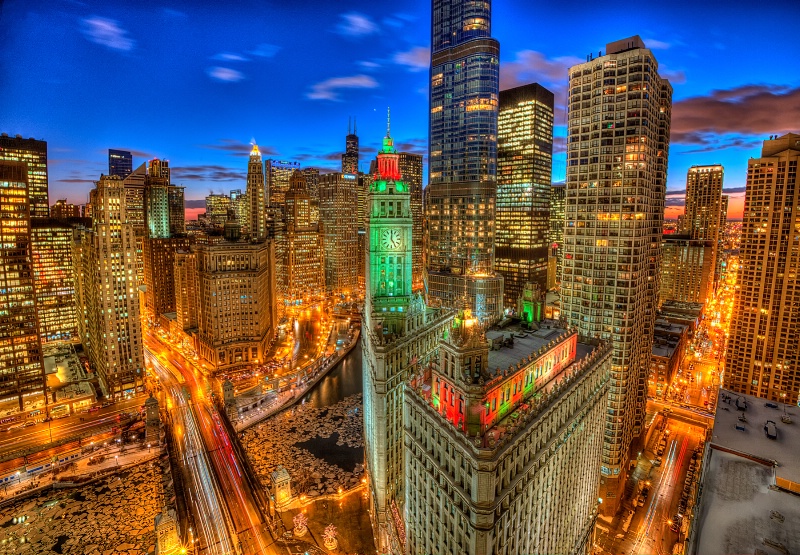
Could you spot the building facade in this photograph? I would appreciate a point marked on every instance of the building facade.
(687, 269)
(462, 158)
(524, 166)
(502, 459)
(236, 300)
(400, 332)
(107, 294)
(350, 156)
(558, 195)
(217, 209)
(120, 163)
(62, 210)
(617, 145)
(33, 153)
(51, 248)
(763, 358)
(159, 274)
(338, 199)
(21, 363)
(304, 276)
(257, 195)
(278, 174)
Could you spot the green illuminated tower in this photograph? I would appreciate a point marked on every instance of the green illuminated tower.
(389, 260)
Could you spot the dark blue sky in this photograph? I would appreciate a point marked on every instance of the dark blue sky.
(194, 82)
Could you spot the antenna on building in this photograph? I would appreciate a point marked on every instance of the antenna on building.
(355, 126)
(349, 121)
(388, 121)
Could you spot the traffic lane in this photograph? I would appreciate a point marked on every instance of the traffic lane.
(65, 427)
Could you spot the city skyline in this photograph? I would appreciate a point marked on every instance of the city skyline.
(363, 68)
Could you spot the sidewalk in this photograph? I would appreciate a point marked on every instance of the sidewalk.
(113, 457)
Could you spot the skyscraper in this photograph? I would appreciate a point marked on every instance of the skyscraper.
(51, 242)
(120, 163)
(177, 211)
(159, 273)
(304, 277)
(411, 172)
(21, 362)
(239, 205)
(34, 154)
(763, 355)
(524, 165)
(134, 188)
(338, 199)
(618, 139)
(401, 335)
(350, 156)
(107, 294)
(217, 206)
(63, 210)
(703, 202)
(257, 193)
(461, 192)
(558, 194)
(278, 174)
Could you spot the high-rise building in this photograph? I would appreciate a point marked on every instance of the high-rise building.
(703, 202)
(159, 168)
(502, 445)
(312, 185)
(763, 357)
(401, 334)
(134, 186)
(338, 197)
(723, 213)
(186, 289)
(177, 211)
(687, 269)
(217, 206)
(239, 205)
(462, 159)
(236, 305)
(278, 174)
(304, 275)
(257, 195)
(524, 166)
(34, 154)
(107, 293)
(350, 156)
(62, 210)
(21, 362)
(411, 172)
(159, 273)
(618, 138)
(558, 194)
(51, 242)
(120, 163)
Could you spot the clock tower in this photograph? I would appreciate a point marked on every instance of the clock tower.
(389, 257)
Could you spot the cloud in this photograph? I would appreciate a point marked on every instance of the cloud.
(416, 59)
(530, 66)
(654, 44)
(75, 180)
(559, 144)
(329, 89)
(413, 146)
(207, 173)
(194, 203)
(107, 32)
(677, 77)
(745, 110)
(225, 74)
(354, 24)
(675, 201)
(369, 65)
(229, 57)
(238, 148)
(265, 50)
(733, 190)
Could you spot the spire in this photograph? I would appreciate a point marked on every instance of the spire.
(388, 121)
(355, 126)
(349, 122)
(254, 151)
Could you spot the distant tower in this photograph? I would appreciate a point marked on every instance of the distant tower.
(256, 192)
(350, 156)
(120, 163)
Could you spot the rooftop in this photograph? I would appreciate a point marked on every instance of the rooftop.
(525, 343)
(753, 440)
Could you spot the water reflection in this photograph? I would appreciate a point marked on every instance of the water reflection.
(344, 380)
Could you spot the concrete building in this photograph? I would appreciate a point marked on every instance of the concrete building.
(51, 249)
(748, 497)
(107, 293)
(62, 210)
(240, 206)
(502, 445)
(460, 198)
(303, 280)
(236, 300)
(338, 198)
(524, 166)
(33, 153)
(350, 156)
(687, 268)
(669, 349)
(134, 186)
(278, 174)
(159, 274)
(400, 333)
(763, 358)
(411, 171)
(186, 290)
(21, 362)
(558, 195)
(217, 206)
(618, 141)
(120, 163)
